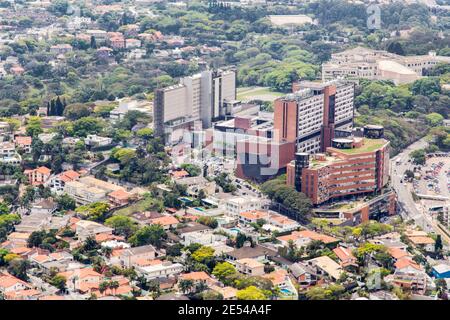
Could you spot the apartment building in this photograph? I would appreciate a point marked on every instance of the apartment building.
(195, 102)
(372, 64)
(89, 189)
(351, 166)
(8, 154)
(313, 112)
(38, 176)
(304, 121)
(237, 205)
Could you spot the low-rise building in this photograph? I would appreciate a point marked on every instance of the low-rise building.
(249, 266)
(38, 176)
(85, 229)
(95, 141)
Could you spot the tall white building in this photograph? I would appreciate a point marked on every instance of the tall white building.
(193, 103)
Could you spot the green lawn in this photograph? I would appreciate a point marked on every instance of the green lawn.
(142, 205)
(368, 146)
(257, 93)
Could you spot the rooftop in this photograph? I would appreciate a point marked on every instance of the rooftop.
(369, 145)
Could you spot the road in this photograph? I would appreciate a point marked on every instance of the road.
(407, 206)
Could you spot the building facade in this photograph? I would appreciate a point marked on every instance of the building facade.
(196, 100)
(351, 166)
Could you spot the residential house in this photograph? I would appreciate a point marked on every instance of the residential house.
(249, 266)
(237, 205)
(228, 293)
(159, 269)
(9, 283)
(85, 229)
(409, 275)
(257, 252)
(167, 222)
(305, 275)
(8, 154)
(304, 237)
(324, 265)
(253, 216)
(131, 256)
(80, 279)
(38, 176)
(346, 257)
(132, 43)
(198, 277)
(119, 197)
(46, 206)
(58, 182)
(93, 140)
(61, 48)
(24, 143)
(18, 239)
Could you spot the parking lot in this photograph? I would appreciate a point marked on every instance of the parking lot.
(433, 177)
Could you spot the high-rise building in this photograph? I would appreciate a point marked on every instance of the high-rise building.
(195, 102)
(311, 115)
(351, 166)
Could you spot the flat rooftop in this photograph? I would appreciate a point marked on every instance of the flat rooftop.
(369, 145)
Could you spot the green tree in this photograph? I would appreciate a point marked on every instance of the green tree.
(122, 225)
(223, 270)
(153, 234)
(251, 293)
(59, 282)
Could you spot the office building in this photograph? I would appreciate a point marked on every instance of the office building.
(372, 64)
(352, 166)
(311, 115)
(193, 103)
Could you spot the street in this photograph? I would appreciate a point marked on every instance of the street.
(407, 206)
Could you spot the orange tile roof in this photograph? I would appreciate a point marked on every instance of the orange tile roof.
(120, 194)
(20, 250)
(317, 236)
(165, 221)
(397, 253)
(407, 262)
(255, 215)
(277, 277)
(21, 294)
(23, 140)
(69, 175)
(179, 174)
(41, 258)
(81, 273)
(343, 253)
(102, 237)
(143, 262)
(421, 240)
(43, 170)
(195, 276)
(309, 235)
(7, 280)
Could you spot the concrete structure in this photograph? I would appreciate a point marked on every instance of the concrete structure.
(89, 189)
(38, 176)
(372, 64)
(249, 266)
(194, 102)
(304, 121)
(352, 166)
(237, 205)
(311, 114)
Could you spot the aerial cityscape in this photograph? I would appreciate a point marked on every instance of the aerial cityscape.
(224, 150)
